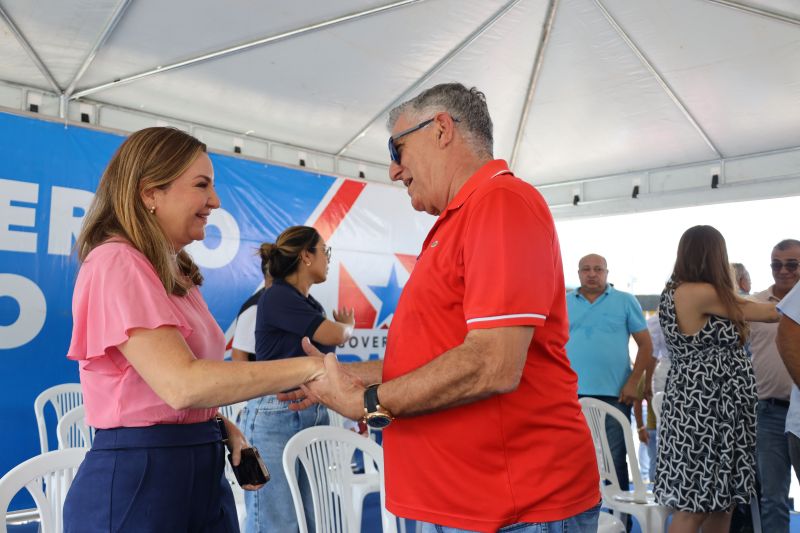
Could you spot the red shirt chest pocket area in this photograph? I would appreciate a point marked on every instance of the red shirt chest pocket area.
(439, 274)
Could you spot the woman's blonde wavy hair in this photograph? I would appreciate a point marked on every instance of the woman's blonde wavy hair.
(150, 158)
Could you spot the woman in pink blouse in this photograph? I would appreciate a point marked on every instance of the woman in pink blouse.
(150, 353)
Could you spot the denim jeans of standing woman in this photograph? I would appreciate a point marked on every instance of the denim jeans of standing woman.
(268, 424)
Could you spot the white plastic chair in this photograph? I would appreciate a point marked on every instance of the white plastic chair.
(326, 454)
(639, 502)
(608, 523)
(63, 398)
(47, 477)
(231, 412)
(370, 480)
(341, 421)
(72, 430)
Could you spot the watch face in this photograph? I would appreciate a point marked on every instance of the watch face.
(378, 420)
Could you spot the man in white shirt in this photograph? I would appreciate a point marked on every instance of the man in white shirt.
(774, 388)
(789, 347)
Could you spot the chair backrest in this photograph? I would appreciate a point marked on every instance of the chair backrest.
(341, 421)
(63, 398)
(72, 430)
(596, 412)
(231, 412)
(326, 455)
(47, 477)
(338, 420)
(658, 399)
(608, 523)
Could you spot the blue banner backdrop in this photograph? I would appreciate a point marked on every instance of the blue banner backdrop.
(48, 173)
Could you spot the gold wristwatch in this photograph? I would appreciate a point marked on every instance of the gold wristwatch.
(375, 416)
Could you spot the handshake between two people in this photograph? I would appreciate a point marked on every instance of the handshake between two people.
(333, 386)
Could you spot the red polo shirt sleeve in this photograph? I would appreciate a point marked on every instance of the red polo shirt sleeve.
(509, 261)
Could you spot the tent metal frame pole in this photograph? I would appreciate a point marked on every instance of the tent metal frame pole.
(657, 75)
(746, 8)
(430, 73)
(788, 178)
(544, 38)
(244, 46)
(116, 16)
(29, 50)
(722, 162)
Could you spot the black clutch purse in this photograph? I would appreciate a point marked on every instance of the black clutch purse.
(251, 469)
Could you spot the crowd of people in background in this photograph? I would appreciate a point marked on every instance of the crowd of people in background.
(725, 431)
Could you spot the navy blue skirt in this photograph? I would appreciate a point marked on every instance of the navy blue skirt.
(168, 477)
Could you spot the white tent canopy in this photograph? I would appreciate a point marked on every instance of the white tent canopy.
(594, 101)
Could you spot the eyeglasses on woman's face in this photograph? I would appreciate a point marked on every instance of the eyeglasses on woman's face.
(327, 250)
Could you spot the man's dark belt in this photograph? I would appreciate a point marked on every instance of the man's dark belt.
(776, 401)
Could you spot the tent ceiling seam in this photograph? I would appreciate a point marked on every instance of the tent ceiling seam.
(659, 78)
(544, 38)
(116, 16)
(430, 72)
(23, 41)
(752, 10)
(243, 46)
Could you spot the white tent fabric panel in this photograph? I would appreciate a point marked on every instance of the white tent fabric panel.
(597, 109)
(313, 90)
(158, 33)
(625, 91)
(735, 71)
(60, 34)
(498, 61)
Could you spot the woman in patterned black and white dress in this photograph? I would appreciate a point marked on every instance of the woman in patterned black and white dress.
(706, 454)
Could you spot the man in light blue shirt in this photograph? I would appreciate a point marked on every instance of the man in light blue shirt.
(601, 322)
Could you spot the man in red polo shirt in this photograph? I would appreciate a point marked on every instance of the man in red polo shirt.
(483, 425)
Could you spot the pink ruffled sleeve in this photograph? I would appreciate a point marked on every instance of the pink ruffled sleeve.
(117, 290)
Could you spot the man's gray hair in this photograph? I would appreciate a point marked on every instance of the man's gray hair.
(740, 270)
(468, 106)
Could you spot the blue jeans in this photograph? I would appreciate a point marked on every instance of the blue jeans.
(774, 466)
(269, 424)
(652, 453)
(585, 522)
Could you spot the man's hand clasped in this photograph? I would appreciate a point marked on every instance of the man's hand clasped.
(335, 387)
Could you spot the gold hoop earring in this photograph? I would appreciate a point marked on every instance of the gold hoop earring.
(152, 210)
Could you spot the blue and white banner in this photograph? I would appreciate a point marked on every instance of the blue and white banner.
(48, 173)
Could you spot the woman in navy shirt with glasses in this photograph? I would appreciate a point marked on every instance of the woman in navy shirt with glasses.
(286, 313)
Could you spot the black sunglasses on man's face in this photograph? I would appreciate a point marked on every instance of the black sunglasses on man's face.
(393, 153)
(790, 266)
